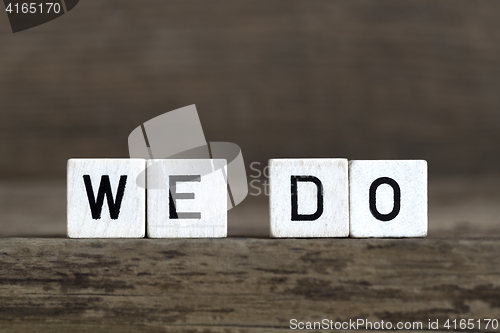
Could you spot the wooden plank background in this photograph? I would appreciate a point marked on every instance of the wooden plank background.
(358, 79)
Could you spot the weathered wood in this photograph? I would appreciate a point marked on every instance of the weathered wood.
(291, 78)
(242, 285)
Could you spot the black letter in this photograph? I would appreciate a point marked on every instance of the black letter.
(174, 196)
(105, 189)
(397, 199)
(319, 210)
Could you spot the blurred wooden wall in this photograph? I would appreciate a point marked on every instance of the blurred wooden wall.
(287, 78)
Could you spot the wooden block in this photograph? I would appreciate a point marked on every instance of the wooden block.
(104, 200)
(309, 198)
(388, 198)
(187, 198)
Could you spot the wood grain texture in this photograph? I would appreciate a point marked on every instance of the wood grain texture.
(241, 285)
(358, 79)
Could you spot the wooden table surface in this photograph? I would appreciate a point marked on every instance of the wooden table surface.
(247, 282)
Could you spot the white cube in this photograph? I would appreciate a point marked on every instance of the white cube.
(309, 197)
(104, 200)
(388, 198)
(187, 198)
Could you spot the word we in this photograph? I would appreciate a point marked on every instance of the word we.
(185, 198)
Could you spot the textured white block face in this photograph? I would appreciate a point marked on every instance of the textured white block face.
(309, 198)
(104, 200)
(388, 198)
(187, 198)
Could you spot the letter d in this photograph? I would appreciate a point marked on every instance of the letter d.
(319, 198)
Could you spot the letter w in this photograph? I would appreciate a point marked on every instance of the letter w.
(105, 189)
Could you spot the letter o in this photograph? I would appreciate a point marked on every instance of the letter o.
(373, 200)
